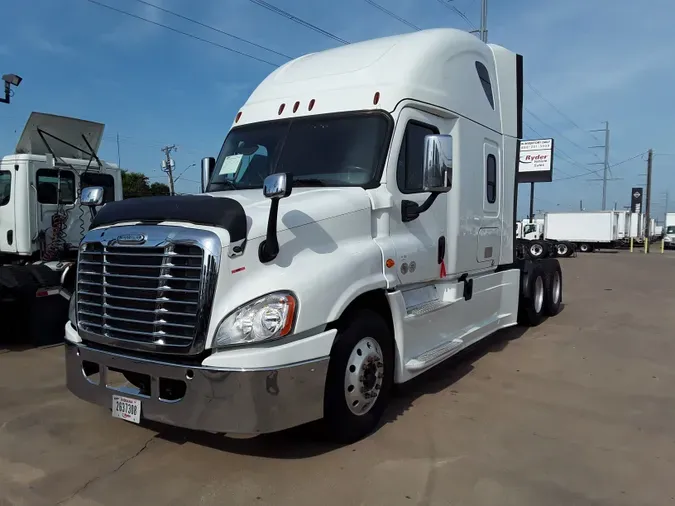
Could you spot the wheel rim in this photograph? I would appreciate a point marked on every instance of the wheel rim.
(562, 249)
(556, 287)
(538, 294)
(583, 247)
(536, 250)
(364, 376)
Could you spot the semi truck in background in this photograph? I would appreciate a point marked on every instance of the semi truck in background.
(669, 231)
(42, 220)
(356, 229)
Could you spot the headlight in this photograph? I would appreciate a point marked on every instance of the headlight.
(268, 317)
(72, 310)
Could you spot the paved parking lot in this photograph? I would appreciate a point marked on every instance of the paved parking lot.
(579, 411)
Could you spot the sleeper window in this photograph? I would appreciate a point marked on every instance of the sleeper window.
(491, 179)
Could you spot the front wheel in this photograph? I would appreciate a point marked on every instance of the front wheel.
(537, 249)
(585, 247)
(360, 377)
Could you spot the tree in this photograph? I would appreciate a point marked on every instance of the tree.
(135, 184)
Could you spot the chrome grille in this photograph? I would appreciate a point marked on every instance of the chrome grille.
(150, 296)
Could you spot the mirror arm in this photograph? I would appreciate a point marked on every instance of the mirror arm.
(411, 210)
(269, 248)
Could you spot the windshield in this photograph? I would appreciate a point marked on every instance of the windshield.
(530, 228)
(5, 186)
(670, 230)
(335, 150)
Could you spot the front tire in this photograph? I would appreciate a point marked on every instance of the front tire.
(537, 250)
(360, 377)
(585, 247)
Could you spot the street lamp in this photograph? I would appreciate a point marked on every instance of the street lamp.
(10, 80)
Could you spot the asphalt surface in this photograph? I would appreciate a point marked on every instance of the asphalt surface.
(578, 411)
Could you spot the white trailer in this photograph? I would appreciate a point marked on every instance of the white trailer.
(356, 230)
(623, 225)
(587, 230)
(41, 219)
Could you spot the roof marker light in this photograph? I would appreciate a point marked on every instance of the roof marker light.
(295, 106)
(311, 104)
(236, 119)
(376, 98)
(281, 108)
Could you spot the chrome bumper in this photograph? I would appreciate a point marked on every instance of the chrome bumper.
(214, 400)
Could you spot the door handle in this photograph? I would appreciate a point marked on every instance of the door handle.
(36, 219)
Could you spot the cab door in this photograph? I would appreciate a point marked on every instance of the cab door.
(416, 241)
(7, 213)
(489, 235)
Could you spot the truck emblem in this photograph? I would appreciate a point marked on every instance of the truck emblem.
(131, 239)
(636, 195)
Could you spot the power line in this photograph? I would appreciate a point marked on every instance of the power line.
(395, 16)
(296, 19)
(539, 94)
(196, 22)
(457, 11)
(141, 18)
(600, 170)
(554, 129)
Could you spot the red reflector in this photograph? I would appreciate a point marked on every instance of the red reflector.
(376, 98)
(281, 108)
(311, 104)
(236, 119)
(295, 106)
(239, 269)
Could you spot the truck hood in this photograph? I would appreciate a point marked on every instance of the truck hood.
(303, 206)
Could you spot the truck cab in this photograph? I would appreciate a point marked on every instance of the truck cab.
(669, 231)
(356, 229)
(41, 219)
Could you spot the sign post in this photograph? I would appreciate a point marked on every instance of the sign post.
(535, 165)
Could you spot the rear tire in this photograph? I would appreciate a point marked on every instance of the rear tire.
(532, 296)
(584, 247)
(536, 249)
(360, 377)
(553, 288)
(562, 249)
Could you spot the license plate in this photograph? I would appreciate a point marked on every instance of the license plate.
(126, 408)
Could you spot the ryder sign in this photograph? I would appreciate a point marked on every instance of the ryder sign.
(535, 164)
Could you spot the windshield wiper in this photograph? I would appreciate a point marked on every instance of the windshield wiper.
(225, 182)
(308, 181)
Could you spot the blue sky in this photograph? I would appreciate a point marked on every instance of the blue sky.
(595, 60)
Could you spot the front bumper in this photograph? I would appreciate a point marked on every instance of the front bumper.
(214, 400)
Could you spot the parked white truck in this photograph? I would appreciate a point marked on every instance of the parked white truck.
(41, 220)
(356, 229)
(669, 231)
(587, 230)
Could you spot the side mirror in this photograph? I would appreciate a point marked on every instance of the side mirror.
(437, 170)
(436, 174)
(278, 186)
(92, 196)
(275, 187)
(208, 166)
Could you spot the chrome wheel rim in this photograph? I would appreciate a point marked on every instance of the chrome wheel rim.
(364, 376)
(538, 294)
(536, 250)
(556, 287)
(583, 247)
(562, 249)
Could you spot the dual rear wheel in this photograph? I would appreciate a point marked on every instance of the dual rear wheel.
(541, 292)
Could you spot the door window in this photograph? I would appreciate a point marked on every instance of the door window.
(411, 157)
(48, 186)
(5, 187)
(106, 181)
(491, 179)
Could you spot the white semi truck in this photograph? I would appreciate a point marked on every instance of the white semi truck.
(356, 229)
(669, 231)
(42, 221)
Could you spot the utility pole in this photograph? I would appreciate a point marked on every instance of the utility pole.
(605, 163)
(118, 150)
(665, 213)
(168, 165)
(650, 156)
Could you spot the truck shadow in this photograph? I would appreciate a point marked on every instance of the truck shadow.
(306, 441)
